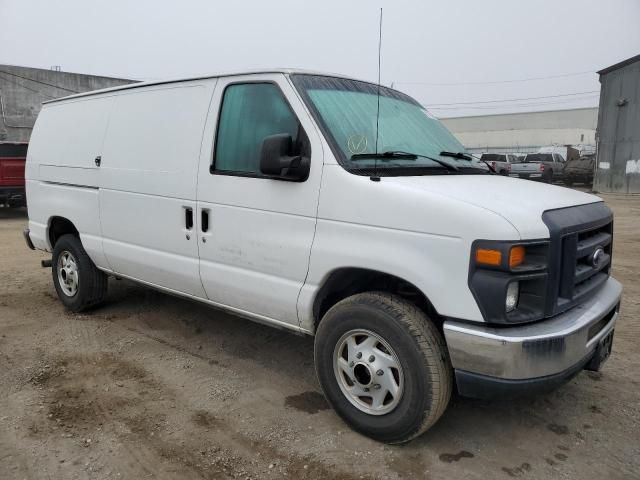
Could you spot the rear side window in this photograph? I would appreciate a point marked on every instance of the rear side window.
(250, 112)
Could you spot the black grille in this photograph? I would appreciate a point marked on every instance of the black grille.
(584, 270)
(575, 269)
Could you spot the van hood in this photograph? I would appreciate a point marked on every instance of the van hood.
(520, 202)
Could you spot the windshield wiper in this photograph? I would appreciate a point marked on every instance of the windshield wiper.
(458, 155)
(384, 156)
(468, 157)
(399, 155)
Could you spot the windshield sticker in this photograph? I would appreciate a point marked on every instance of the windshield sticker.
(357, 143)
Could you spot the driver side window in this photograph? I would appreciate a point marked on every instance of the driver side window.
(250, 112)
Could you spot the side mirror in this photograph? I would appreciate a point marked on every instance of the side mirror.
(276, 159)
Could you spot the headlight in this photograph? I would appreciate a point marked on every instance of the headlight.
(509, 279)
(511, 300)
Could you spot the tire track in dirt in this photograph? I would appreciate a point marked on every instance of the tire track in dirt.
(76, 397)
(138, 458)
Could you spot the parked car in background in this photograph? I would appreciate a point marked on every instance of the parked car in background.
(565, 151)
(501, 162)
(13, 156)
(579, 171)
(539, 166)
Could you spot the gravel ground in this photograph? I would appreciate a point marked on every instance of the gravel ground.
(152, 386)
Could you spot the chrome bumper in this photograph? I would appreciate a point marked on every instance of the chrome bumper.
(536, 350)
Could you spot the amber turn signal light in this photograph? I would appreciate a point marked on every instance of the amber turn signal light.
(485, 256)
(516, 256)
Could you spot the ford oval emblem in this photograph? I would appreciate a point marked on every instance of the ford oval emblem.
(596, 257)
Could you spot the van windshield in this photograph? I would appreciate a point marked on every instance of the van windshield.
(346, 110)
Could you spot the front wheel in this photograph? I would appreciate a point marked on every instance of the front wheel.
(77, 280)
(383, 366)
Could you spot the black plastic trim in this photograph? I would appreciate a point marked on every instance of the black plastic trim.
(27, 238)
(563, 223)
(484, 387)
(489, 284)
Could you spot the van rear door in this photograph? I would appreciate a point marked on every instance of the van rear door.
(148, 175)
(62, 178)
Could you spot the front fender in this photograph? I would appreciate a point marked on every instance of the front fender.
(437, 265)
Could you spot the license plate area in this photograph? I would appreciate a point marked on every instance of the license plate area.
(602, 353)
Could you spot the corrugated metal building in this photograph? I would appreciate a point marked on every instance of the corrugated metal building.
(23, 89)
(618, 160)
(525, 132)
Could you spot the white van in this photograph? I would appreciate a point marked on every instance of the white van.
(330, 207)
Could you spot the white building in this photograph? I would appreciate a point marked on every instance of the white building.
(527, 131)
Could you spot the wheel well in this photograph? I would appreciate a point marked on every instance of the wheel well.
(59, 226)
(345, 282)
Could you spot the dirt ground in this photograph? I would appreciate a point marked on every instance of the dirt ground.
(152, 386)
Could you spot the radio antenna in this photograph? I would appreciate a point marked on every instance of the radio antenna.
(375, 177)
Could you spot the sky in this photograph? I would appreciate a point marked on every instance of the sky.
(457, 57)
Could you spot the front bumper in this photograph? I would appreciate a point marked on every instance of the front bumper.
(492, 361)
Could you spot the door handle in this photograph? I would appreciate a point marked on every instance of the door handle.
(204, 224)
(98, 160)
(188, 218)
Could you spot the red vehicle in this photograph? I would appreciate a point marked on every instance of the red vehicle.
(13, 156)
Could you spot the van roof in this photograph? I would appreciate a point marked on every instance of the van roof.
(198, 77)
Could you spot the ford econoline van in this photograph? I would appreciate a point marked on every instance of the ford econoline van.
(330, 207)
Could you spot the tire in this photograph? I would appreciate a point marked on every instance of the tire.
(568, 182)
(503, 173)
(547, 177)
(405, 334)
(90, 283)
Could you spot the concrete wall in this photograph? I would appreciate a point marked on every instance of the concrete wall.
(23, 89)
(618, 161)
(525, 132)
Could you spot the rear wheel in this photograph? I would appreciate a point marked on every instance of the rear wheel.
(78, 282)
(547, 176)
(383, 366)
